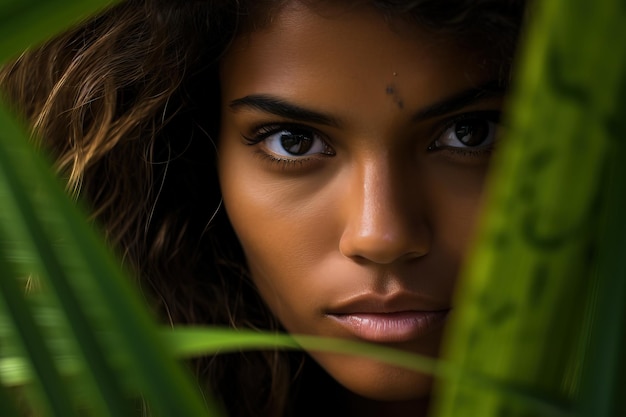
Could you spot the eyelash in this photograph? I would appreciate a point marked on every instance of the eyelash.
(263, 132)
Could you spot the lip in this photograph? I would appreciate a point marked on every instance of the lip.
(399, 318)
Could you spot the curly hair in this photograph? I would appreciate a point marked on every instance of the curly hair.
(127, 103)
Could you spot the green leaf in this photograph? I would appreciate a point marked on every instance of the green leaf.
(24, 23)
(527, 292)
(603, 378)
(7, 408)
(58, 399)
(38, 217)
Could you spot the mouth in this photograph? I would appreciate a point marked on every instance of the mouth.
(401, 326)
(396, 319)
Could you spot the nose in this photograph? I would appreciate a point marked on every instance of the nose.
(385, 219)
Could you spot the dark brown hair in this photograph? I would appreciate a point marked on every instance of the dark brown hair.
(128, 105)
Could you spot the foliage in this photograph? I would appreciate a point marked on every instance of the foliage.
(540, 323)
(546, 278)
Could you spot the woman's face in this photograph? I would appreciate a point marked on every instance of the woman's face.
(352, 156)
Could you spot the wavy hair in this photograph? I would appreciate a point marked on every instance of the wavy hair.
(127, 104)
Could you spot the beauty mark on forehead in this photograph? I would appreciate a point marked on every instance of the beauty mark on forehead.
(392, 91)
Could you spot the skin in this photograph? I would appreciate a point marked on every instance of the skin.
(385, 202)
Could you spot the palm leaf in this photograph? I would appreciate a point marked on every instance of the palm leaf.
(73, 267)
(527, 306)
(42, 232)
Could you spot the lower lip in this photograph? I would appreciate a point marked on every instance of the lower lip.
(392, 327)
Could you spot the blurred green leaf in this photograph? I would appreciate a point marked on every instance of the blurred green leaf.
(38, 353)
(92, 292)
(526, 304)
(24, 23)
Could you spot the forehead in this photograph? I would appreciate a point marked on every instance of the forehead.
(341, 54)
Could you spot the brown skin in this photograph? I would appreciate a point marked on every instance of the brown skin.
(384, 203)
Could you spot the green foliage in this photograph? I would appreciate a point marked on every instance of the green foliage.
(552, 237)
(27, 22)
(540, 324)
(45, 234)
(90, 292)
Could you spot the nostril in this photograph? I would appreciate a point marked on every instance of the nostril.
(408, 257)
(384, 248)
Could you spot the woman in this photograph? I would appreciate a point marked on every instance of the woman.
(304, 166)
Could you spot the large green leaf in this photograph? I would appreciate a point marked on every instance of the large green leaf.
(87, 286)
(527, 297)
(43, 233)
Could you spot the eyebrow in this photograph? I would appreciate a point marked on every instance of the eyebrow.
(489, 89)
(280, 107)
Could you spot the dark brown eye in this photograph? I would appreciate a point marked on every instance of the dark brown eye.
(296, 144)
(472, 132)
(294, 141)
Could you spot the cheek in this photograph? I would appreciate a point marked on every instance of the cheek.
(458, 196)
(281, 258)
(283, 230)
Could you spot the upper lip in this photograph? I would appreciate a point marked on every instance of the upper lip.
(374, 303)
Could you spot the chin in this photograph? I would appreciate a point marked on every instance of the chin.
(376, 380)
